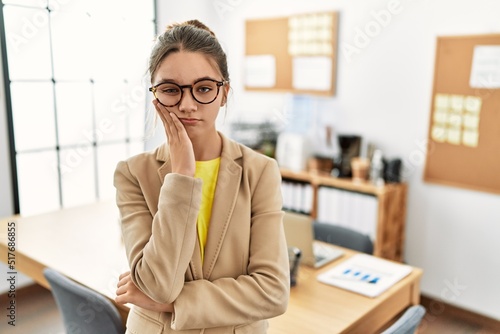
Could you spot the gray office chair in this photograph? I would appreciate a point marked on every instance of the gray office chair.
(343, 237)
(408, 322)
(84, 311)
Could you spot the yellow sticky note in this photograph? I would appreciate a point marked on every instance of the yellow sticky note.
(438, 133)
(471, 121)
(455, 120)
(326, 34)
(326, 49)
(473, 104)
(441, 101)
(453, 136)
(457, 103)
(470, 138)
(440, 116)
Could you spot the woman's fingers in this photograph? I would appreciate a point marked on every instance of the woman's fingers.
(174, 128)
(164, 114)
(178, 125)
(124, 288)
(125, 274)
(123, 282)
(122, 297)
(121, 290)
(175, 131)
(123, 279)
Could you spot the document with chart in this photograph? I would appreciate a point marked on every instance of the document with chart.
(365, 274)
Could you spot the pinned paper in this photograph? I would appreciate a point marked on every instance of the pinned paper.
(485, 72)
(260, 71)
(312, 73)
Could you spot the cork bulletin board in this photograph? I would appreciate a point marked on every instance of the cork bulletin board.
(296, 54)
(464, 125)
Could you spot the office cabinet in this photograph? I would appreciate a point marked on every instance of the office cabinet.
(387, 203)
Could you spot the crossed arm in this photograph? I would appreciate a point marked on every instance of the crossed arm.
(128, 292)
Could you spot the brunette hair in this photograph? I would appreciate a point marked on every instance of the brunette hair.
(191, 36)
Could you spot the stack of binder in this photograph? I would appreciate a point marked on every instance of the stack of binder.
(297, 196)
(356, 211)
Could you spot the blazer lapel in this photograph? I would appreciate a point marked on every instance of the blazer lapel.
(163, 155)
(226, 193)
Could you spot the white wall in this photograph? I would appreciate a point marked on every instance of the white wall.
(384, 94)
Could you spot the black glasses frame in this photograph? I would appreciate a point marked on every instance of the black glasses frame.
(219, 84)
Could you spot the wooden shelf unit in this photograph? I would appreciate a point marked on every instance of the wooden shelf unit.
(391, 214)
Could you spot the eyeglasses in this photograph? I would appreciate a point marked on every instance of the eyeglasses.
(203, 91)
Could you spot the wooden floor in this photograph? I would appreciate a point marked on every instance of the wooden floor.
(37, 314)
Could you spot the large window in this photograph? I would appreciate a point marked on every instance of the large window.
(75, 81)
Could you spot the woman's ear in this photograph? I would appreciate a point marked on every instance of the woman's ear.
(224, 97)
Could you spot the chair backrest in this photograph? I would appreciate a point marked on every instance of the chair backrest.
(84, 311)
(408, 322)
(342, 236)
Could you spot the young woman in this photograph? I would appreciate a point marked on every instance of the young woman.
(201, 215)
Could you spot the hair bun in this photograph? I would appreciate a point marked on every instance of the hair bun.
(194, 23)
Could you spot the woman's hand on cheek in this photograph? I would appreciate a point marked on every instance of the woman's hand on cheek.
(181, 147)
(128, 292)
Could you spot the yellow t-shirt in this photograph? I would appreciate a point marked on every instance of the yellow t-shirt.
(207, 171)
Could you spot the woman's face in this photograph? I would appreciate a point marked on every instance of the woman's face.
(186, 68)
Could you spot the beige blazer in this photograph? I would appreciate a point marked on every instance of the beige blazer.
(244, 279)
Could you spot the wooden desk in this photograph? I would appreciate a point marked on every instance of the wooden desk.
(317, 308)
(85, 244)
